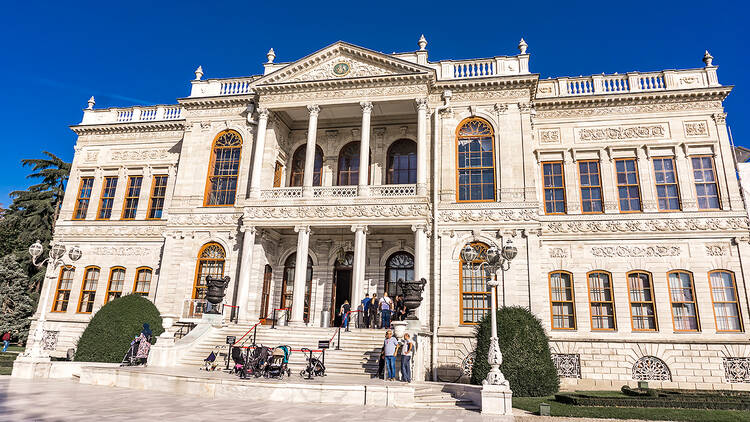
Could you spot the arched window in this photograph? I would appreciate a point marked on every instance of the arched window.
(682, 297)
(475, 296)
(476, 161)
(210, 262)
(62, 293)
(400, 265)
(601, 301)
(287, 286)
(298, 167)
(562, 300)
(651, 368)
(349, 165)
(142, 284)
(642, 306)
(221, 186)
(725, 301)
(116, 283)
(402, 162)
(88, 290)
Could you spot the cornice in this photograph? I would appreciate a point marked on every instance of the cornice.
(633, 98)
(130, 127)
(475, 84)
(223, 101)
(348, 83)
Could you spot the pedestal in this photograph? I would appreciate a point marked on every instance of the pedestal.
(497, 401)
(399, 328)
(31, 367)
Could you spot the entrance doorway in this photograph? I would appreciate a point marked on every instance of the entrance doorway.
(266, 295)
(342, 286)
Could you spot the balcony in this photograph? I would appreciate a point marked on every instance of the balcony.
(324, 192)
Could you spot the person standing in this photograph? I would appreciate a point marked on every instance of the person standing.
(374, 311)
(400, 308)
(390, 345)
(407, 351)
(385, 312)
(6, 340)
(344, 313)
(366, 310)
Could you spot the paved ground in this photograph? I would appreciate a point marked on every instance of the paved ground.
(67, 400)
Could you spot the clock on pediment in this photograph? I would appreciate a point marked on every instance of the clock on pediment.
(341, 69)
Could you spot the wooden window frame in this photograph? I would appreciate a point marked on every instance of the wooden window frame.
(652, 302)
(562, 188)
(736, 302)
(66, 301)
(152, 197)
(611, 302)
(552, 302)
(79, 199)
(672, 302)
(199, 264)
(135, 281)
(109, 283)
(278, 174)
(715, 182)
(130, 202)
(210, 173)
(637, 184)
(111, 199)
(494, 159)
(676, 184)
(84, 291)
(299, 174)
(582, 187)
(461, 290)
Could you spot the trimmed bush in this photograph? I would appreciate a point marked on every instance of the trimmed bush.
(658, 398)
(527, 363)
(109, 333)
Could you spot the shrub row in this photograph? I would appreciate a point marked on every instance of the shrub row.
(688, 402)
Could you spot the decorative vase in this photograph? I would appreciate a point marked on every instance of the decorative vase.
(412, 291)
(215, 292)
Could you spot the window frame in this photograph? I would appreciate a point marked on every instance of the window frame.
(389, 268)
(134, 199)
(111, 199)
(637, 184)
(571, 301)
(562, 188)
(135, 281)
(612, 302)
(211, 167)
(694, 302)
(84, 291)
(350, 172)
(715, 182)
(152, 197)
(581, 187)
(652, 302)
(66, 301)
(461, 290)
(458, 138)
(109, 283)
(676, 184)
(287, 300)
(199, 266)
(78, 207)
(736, 302)
(299, 173)
(390, 155)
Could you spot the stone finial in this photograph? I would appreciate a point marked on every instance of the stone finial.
(522, 46)
(270, 55)
(708, 59)
(422, 43)
(199, 73)
(91, 103)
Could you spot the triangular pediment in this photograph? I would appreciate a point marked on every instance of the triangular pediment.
(342, 61)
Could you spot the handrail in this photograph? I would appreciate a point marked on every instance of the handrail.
(248, 332)
(338, 329)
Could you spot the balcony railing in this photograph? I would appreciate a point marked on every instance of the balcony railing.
(335, 191)
(483, 68)
(132, 114)
(376, 191)
(388, 191)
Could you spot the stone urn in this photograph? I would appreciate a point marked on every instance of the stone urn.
(216, 287)
(412, 291)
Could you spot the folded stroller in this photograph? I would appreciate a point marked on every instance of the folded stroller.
(209, 363)
(315, 367)
(279, 363)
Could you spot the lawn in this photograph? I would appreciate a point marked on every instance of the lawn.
(531, 404)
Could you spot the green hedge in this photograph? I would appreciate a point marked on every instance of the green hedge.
(109, 333)
(527, 363)
(681, 401)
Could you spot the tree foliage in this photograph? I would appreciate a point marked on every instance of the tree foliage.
(16, 304)
(527, 363)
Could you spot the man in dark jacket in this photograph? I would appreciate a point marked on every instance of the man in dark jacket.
(366, 310)
(374, 311)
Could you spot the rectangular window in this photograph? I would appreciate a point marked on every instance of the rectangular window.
(667, 191)
(726, 304)
(158, 193)
(277, 173)
(554, 187)
(62, 293)
(627, 185)
(116, 282)
(475, 294)
(84, 196)
(88, 290)
(108, 198)
(642, 308)
(682, 296)
(601, 301)
(706, 189)
(131, 197)
(591, 187)
(142, 282)
(562, 301)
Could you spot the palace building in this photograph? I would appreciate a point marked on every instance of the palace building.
(619, 191)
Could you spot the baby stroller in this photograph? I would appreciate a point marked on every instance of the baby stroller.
(314, 368)
(239, 362)
(278, 365)
(209, 363)
(138, 352)
(257, 360)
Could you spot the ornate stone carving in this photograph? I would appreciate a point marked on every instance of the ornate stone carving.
(489, 94)
(650, 368)
(336, 211)
(717, 250)
(720, 118)
(92, 156)
(696, 128)
(737, 369)
(121, 251)
(109, 231)
(141, 155)
(500, 108)
(636, 251)
(558, 253)
(549, 136)
(381, 91)
(325, 70)
(49, 339)
(204, 220)
(568, 365)
(628, 109)
(657, 131)
(469, 216)
(421, 103)
(670, 225)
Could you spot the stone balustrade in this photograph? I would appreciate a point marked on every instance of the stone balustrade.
(483, 68)
(376, 191)
(221, 87)
(131, 114)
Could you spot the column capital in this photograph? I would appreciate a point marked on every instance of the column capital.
(302, 229)
(264, 113)
(421, 103)
(420, 226)
(249, 230)
(366, 106)
(360, 227)
(720, 118)
(313, 109)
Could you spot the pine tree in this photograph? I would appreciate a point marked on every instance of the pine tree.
(16, 304)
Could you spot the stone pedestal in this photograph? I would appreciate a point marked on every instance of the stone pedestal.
(399, 328)
(497, 401)
(31, 367)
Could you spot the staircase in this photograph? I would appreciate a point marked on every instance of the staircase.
(359, 352)
(432, 396)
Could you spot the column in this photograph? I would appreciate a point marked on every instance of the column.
(609, 184)
(300, 275)
(360, 260)
(422, 146)
(246, 264)
(646, 176)
(143, 199)
(571, 182)
(732, 191)
(364, 150)
(420, 251)
(312, 131)
(260, 146)
(684, 179)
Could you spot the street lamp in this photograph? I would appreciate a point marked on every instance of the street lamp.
(53, 261)
(496, 260)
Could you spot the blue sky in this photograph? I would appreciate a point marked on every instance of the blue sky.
(55, 55)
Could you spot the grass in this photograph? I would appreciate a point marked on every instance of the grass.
(531, 404)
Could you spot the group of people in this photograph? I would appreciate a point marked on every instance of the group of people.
(376, 312)
(387, 362)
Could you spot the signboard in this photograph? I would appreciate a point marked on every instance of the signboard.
(324, 344)
(231, 339)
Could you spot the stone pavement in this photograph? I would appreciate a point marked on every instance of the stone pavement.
(67, 400)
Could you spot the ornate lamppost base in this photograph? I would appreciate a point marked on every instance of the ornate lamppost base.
(497, 400)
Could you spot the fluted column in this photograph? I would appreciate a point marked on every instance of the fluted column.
(300, 275)
(358, 270)
(646, 174)
(364, 150)
(420, 251)
(260, 146)
(684, 178)
(421, 146)
(312, 131)
(246, 264)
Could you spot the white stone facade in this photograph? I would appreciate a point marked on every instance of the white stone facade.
(344, 93)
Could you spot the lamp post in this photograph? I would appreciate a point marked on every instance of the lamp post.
(496, 260)
(54, 260)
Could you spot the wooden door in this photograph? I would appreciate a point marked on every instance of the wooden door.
(277, 175)
(266, 295)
